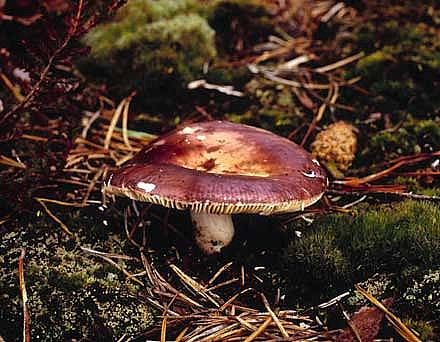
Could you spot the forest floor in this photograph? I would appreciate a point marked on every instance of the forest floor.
(84, 85)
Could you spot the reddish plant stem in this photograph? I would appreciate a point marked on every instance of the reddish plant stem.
(70, 34)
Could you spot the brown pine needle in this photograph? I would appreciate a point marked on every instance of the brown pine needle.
(193, 284)
(115, 118)
(48, 212)
(92, 186)
(26, 316)
(182, 334)
(163, 330)
(232, 299)
(274, 317)
(11, 162)
(318, 116)
(259, 331)
(341, 63)
(15, 90)
(219, 272)
(125, 122)
(33, 137)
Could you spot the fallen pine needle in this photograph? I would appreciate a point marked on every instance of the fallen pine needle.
(274, 317)
(163, 331)
(113, 123)
(11, 162)
(260, 330)
(26, 317)
(53, 216)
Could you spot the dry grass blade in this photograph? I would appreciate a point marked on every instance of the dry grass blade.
(26, 316)
(400, 327)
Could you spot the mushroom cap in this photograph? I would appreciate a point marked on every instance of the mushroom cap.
(221, 167)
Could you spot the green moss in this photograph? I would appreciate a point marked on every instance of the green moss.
(419, 186)
(373, 63)
(341, 249)
(401, 67)
(71, 295)
(413, 136)
(240, 24)
(153, 47)
(275, 107)
(236, 76)
(424, 330)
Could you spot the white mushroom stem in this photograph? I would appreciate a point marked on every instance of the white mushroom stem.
(212, 231)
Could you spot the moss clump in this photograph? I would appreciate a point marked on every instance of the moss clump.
(401, 66)
(341, 249)
(414, 136)
(72, 295)
(424, 330)
(152, 47)
(275, 107)
(240, 24)
(424, 186)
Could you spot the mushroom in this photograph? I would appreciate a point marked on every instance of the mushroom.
(217, 168)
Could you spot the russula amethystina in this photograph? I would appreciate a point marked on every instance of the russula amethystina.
(218, 168)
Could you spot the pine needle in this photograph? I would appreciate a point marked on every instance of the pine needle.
(53, 216)
(260, 330)
(115, 118)
(26, 317)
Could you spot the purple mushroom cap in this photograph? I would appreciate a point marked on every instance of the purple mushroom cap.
(220, 167)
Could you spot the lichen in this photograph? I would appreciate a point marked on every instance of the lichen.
(423, 296)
